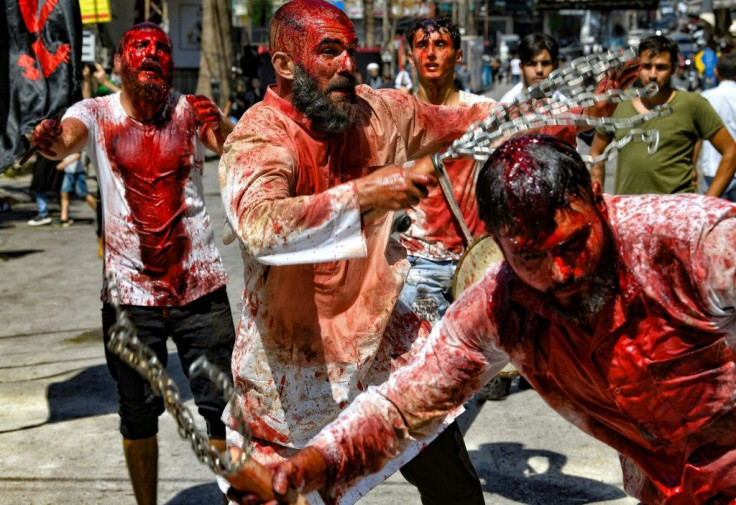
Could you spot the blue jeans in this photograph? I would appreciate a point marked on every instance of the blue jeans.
(729, 194)
(428, 287)
(75, 183)
(42, 203)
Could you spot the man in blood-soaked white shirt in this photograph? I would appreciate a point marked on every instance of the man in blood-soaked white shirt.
(619, 310)
(148, 146)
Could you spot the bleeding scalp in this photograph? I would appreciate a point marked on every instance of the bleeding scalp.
(290, 21)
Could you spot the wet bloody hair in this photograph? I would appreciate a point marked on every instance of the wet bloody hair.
(429, 25)
(290, 23)
(526, 180)
(136, 30)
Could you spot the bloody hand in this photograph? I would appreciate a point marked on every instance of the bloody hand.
(205, 110)
(392, 188)
(45, 135)
(620, 78)
(304, 471)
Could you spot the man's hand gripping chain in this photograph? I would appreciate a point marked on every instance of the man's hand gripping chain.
(125, 343)
(536, 108)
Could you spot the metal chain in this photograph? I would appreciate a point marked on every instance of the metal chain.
(580, 75)
(484, 141)
(535, 109)
(125, 343)
(650, 137)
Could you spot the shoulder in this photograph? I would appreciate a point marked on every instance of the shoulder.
(689, 98)
(385, 100)
(91, 108)
(471, 98)
(665, 219)
(511, 94)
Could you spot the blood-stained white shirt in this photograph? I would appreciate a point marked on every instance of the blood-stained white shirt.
(434, 232)
(655, 378)
(319, 320)
(158, 238)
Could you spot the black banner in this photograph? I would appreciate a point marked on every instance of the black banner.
(40, 67)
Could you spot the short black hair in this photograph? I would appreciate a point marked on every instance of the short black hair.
(535, 42)
(526, 180)
(726, 67)
(660, 44)
(428, 25)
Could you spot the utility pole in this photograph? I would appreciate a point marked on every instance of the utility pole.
(216, 57)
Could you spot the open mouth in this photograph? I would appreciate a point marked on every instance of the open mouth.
(151, 69)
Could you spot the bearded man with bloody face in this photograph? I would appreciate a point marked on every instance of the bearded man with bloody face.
(619, 310)
(148, 145)
(310, 179)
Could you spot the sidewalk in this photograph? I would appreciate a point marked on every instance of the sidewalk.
(59, 440)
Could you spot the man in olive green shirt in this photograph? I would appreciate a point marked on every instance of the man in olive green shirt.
(671, 168)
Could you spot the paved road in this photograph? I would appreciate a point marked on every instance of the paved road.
(58, 426)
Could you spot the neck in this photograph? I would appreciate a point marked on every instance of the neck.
(139, 110)
(438, 93)
(660, 98)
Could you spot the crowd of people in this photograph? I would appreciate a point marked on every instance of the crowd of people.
(351, 357)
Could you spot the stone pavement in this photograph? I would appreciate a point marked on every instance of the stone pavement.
(58, 426)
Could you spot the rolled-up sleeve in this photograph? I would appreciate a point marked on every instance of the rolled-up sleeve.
(257, 175)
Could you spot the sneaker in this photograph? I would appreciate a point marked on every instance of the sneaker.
(496, 389)
(39, 220)
(62, 223)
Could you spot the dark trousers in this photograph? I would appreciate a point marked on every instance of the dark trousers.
(443, 473)
(203, 327)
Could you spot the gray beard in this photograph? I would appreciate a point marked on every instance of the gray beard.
(326, 116)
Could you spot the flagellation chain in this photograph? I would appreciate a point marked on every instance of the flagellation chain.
(125, 343)
(579, 76)
(536, 109)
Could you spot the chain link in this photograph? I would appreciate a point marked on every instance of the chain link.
(124, 343)
(579, 76)
(650, 137)
(535, 109)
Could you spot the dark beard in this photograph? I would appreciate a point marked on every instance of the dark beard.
(601, 289)
(148, 93)
(326, 115)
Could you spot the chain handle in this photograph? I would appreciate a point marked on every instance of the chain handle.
(124, 343)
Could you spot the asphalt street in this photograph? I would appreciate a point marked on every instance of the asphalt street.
(59, 441)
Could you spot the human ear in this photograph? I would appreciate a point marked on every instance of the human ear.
(459, 56)
(283, 65)
(600, 203)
